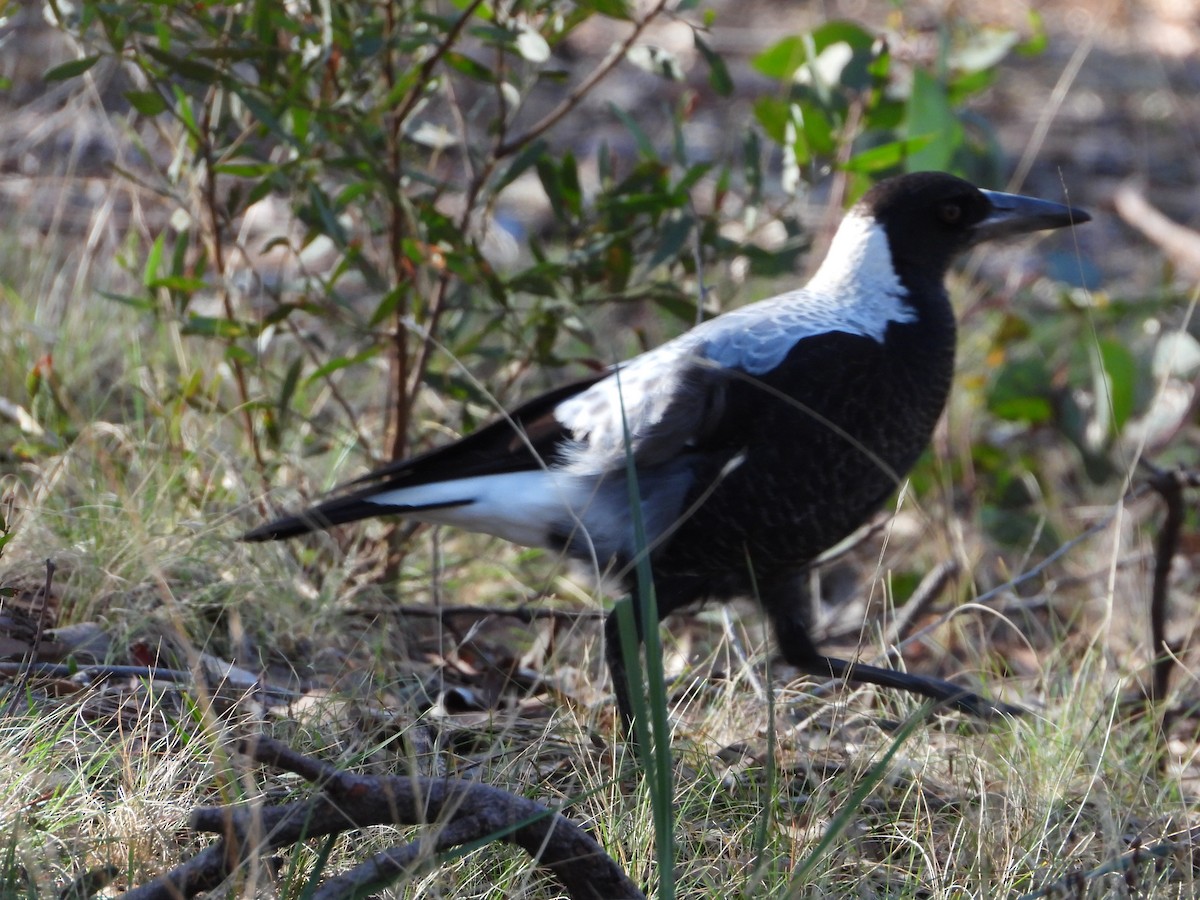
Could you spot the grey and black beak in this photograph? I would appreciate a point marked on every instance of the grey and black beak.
(1017, 214)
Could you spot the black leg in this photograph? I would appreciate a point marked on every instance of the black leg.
(669, 596)
(798, 649)
(615, 656)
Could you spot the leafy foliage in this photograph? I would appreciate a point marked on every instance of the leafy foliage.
(847, 97)
(392, 136)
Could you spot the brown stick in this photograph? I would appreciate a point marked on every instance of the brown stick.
(1169, 484)
(1180, 244)
(461, 812)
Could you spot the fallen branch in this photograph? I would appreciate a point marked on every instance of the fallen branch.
(457, 813)
(1179, 244)
(1076, 883)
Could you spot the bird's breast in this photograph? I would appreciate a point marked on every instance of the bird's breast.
(827, 437)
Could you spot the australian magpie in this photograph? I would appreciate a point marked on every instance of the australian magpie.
(759, 438)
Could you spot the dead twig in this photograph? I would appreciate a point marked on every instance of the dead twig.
(1168, 484)
(457, 812)
(35, 647)
(523, 614)
(598, 74)
(85, 676)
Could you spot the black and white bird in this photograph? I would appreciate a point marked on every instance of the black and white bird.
(759, 438)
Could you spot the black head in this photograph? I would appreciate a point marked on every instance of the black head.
(931, 217)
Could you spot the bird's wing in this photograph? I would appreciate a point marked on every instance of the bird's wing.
(528, 437)
(674, 397)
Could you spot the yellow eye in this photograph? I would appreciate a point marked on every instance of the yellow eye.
(950, 213)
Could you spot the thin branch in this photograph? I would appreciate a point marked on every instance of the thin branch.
(427, 67)
(572, 99)
(383, 868)
(212, 206)
(1033, 572)
(88, 675)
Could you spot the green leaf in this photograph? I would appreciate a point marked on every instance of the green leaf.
(148, 103)
(690, 179)
(186, 67)
(1036, 44)
(572, 193)
(845, 54)
(781, 60)
(141, 304)
(287, 390)
(644, 144)
(817, 127)
(333, 229)
(239, 355)
(1018, 393)
(1118, 384)
(551, 179)
(469, 67)
(885, 156)
(178, 283)
(672, 238)
(150, 271)
(718, 73)
(930, 114)
(263, 113)
(71, 69)
(963, 87)
(842, 32)
(216, 326)
(246, 169)
(615, 9)
(529, 156)
(389, 304)
(185, 109)
(773, 114)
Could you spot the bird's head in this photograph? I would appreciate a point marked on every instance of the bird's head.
(931, 217)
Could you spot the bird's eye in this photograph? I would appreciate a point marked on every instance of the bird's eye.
(950, 213)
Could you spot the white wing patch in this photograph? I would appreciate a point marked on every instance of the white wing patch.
(521, 507)
(544, 508)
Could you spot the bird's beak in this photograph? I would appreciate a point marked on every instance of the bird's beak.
(1016, 214)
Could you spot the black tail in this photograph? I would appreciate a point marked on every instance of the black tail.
(316, 518)
(334, 512)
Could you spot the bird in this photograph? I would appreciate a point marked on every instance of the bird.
(754, 442)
